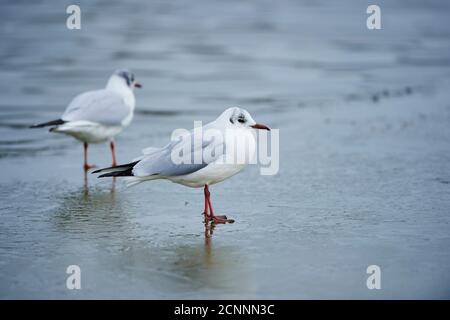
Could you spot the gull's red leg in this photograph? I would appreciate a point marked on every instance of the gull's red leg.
(215, 219)
(86, 165)
(205, 211)
(113, 153)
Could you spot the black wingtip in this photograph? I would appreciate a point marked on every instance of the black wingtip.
(124, 173)
(123, 170)
(49, 123)
(118, 168)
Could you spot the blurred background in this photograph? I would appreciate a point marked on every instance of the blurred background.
(364, 119)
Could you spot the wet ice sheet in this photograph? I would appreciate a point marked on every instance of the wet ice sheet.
(364, 175)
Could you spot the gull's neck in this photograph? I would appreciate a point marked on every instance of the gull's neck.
(118, 86)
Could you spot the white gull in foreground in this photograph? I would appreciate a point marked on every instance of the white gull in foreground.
(97, 116)
(213, 167)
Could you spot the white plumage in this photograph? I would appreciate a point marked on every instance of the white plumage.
(98, 116)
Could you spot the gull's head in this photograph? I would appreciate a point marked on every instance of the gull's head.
(240, 118)
(123, 78)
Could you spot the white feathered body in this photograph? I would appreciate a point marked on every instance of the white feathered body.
(97, 116)
(215, 171)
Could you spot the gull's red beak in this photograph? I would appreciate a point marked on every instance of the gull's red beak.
(137, 85)
(260, 126)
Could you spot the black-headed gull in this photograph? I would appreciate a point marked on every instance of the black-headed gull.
(213, 167)
(97, 116)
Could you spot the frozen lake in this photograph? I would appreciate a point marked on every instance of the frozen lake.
(364, 119)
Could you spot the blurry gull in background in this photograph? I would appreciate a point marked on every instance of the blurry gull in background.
(97, 116)
(158, 163)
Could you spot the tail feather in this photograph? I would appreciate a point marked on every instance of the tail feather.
(49, 123)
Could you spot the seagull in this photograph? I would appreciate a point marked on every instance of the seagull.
(97, 116)
(158, 163)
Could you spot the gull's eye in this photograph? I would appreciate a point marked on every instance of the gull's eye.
(132, 77)
(241, 119)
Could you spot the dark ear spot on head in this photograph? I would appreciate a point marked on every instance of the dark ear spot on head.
(241, 118)
(231, 120)
(125, 75)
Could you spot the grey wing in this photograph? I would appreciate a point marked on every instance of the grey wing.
(101, 106)
(161, 162)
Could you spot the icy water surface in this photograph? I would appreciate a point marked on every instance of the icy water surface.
(364, 119)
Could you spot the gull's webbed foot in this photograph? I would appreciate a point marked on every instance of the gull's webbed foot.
(221, 220)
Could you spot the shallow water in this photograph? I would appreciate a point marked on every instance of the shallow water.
(364, 149)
